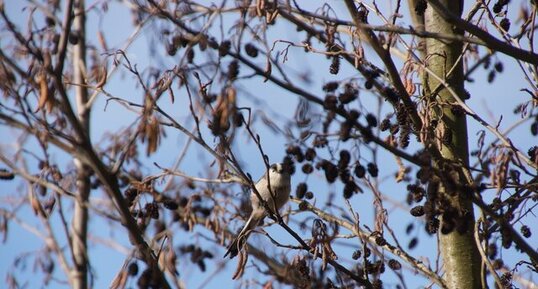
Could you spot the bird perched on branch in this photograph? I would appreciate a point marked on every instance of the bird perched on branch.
(275, 192)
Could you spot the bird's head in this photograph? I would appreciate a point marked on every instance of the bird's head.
(279, 168)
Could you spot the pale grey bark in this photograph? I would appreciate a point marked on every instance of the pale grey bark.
(80, 217)
(460, 256)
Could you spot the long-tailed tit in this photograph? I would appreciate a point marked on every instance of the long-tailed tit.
(279, 180)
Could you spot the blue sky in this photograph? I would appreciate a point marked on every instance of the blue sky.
(489, 100)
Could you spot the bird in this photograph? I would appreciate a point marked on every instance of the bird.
(280, 181)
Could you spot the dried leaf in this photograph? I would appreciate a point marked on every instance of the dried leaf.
(302, 113)
(401, 170)
(153, 134)
(271, 16)
(410, 86)
(260, 7)
(241, 262)
(269, 123)
(225, 109)
(36, 205)
(268, 69)
(231, 95)
(162, 85)
(102, 41)
(45, 98)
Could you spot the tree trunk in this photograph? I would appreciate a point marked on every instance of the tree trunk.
(80, 216)
(458, 248)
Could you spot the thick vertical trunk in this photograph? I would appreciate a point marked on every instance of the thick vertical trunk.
(80, 216)
(461, 260)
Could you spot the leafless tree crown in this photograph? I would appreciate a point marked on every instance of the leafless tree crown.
(139, 127)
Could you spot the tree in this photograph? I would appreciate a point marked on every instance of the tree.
(399, 167)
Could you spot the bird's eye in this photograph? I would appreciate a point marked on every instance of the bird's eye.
(273, 167)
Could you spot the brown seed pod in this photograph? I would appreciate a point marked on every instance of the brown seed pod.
(211, 42)
(380, 241)
(417, 211)
(432, 226)
(152, 210)
(301, 190)
(409, 228)
(344, 175)
(238, 119)
(190, 55)
(526, 231)
(371, 120)
(307, 168)
(233, 70)
(372, 169)
(335, 65)
(360, 171)
(132, 269)
(331, 171)
(356, 255)
(385, 124)
(310, 154)
(349, 189)
(353, 114)
(251, 50)
(377, 284)
(413, 243)
(505, 24)
(224, 48)
(330, 102)
(498, 264)
(303, 206)
(171, 205)
(345, 157)
(403, 139)
(499, 67)
(330, 86)
(6, 175)
(368, 84)
(345, 131)
(394, 264)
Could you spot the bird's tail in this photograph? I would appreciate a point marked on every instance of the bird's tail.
(242, 237)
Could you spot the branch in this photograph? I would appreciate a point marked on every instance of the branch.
(491, 42)
(371, 239)
(501, 220)
(66, 30)
(484, 257)
(166, 172)
(384, 55)
(34, 179)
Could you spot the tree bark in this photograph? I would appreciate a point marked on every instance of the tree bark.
(80, 216)
(461, 259)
